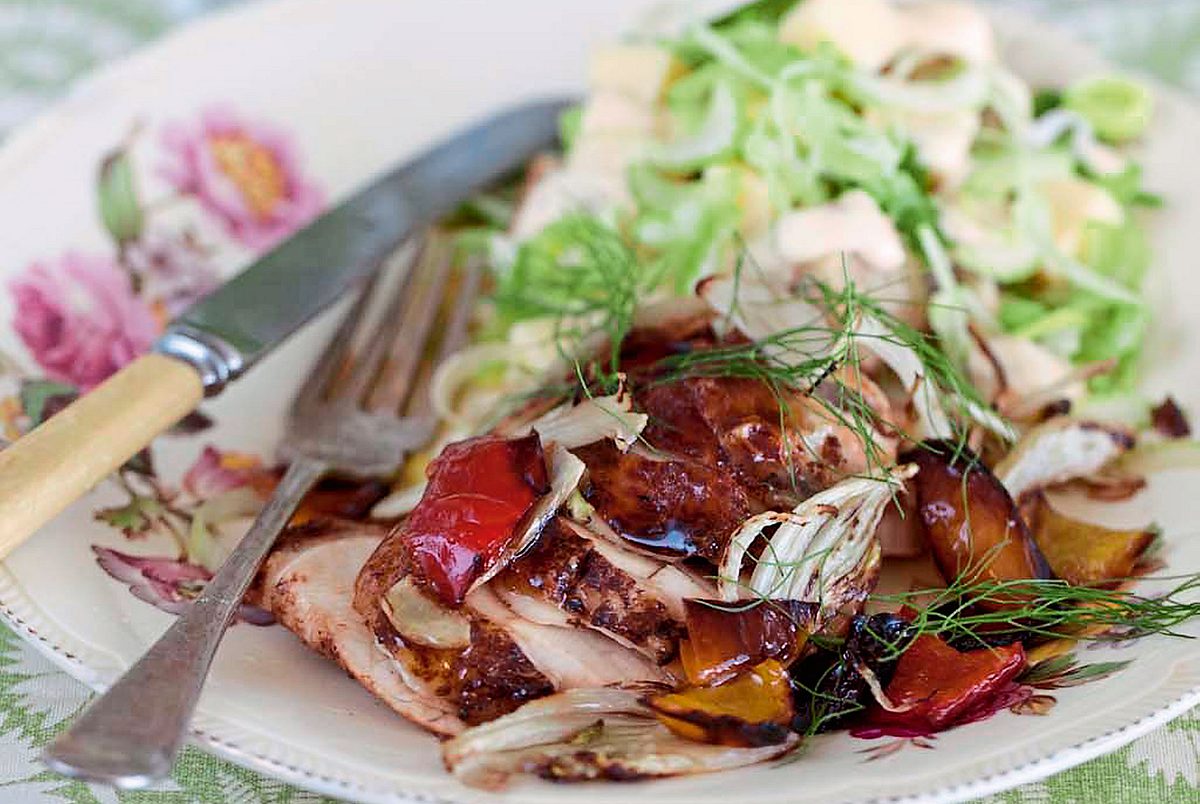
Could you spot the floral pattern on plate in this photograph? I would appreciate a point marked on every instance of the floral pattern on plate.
(82, 316)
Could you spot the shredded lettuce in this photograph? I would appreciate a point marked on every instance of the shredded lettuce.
(569, 124)
(1118, 108)
(1084, 326)
(1126, 187)
(1120, 252)
(751, 128)
(714, 136)
(1045, 100)
(686, 224)
(764, 12)
(1000, 169)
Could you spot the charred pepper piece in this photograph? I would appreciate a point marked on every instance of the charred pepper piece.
(725, 639)
(1085, 553)
(934, 684)
(753, 709)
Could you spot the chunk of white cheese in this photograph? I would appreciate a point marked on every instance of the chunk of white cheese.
(1073, 203)
(608, 112)
(853, 223)
(950, 29)
(873, 32)
(869, 32)
(640, 72)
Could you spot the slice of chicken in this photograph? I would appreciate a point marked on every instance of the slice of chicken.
(571, 657)
(668, 582)
(308, 584)
(567, 581)
(510, 657)
(488, 677)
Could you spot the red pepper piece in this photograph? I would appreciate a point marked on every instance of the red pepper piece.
(479, 492)
(940, 683)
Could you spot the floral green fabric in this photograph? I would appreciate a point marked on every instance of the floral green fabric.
(44, 44)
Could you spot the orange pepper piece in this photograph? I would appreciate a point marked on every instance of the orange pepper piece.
(753, 709)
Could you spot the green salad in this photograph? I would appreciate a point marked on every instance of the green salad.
(851, 140)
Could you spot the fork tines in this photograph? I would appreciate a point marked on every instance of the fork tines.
(374, 361)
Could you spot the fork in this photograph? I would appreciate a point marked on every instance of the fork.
(359, 412)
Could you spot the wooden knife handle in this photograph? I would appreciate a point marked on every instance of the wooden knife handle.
(64, 457)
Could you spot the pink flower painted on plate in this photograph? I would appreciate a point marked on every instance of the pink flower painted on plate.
(246, 174)
(168, 584)
(175, 271)
(216, 472)
(80, 319)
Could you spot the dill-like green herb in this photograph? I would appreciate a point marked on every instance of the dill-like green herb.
(582, 274)
(969, 609)
(807, 358)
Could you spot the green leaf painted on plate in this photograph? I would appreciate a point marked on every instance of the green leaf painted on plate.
(1065, 671)
(41, 399)
(117, 199)
(134, 519)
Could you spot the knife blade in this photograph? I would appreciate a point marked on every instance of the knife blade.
(220, 337)
(225, 333)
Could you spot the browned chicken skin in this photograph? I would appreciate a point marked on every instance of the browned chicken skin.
(488, 678)
(574, 611)
(566, 570)
(720, 449)
(680, 507)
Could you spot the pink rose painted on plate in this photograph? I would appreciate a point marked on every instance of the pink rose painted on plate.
(80, 319)
(219, 490)
(246, 174)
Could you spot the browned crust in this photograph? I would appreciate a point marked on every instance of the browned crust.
(567, 571)
(488, 678)
(678, 507)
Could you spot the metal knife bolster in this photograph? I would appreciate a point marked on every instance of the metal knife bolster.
(217, 362)
(230, 330)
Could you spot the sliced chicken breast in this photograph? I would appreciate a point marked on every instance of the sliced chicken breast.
(583, 587)
(308, 584)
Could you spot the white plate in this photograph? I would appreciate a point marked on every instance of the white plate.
(355, 85)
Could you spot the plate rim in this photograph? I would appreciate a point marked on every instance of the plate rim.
(48, 639)
(41, 638)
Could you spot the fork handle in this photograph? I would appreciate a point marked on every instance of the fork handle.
(63, 458)
(130, 735)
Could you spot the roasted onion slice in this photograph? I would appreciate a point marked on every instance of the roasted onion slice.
(825, 550)
(1059, 450)
(585, 734)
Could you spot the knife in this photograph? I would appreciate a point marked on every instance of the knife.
(222, 336)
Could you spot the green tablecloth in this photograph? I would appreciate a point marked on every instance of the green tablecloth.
(44, 44)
